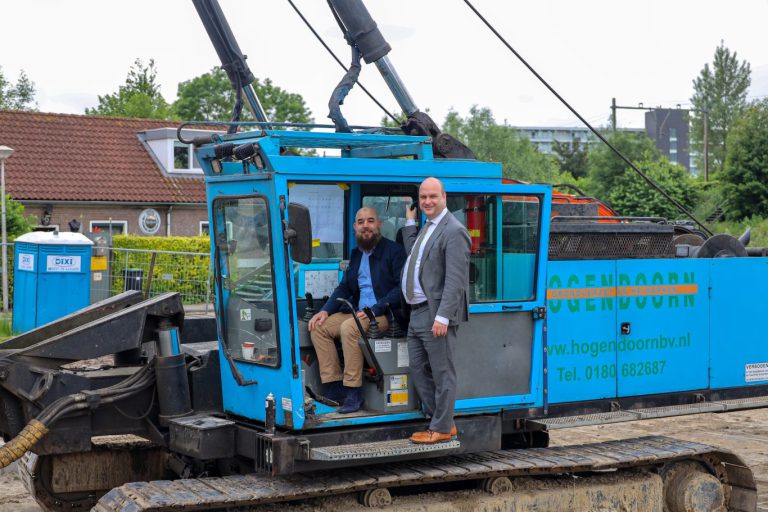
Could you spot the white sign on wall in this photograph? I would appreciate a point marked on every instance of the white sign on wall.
(63, 263)
(26, 261)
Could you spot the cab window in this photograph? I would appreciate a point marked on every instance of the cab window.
(391, 212)
(504, 244)
(244, 247)
(326, 208)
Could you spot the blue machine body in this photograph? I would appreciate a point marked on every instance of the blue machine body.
(52, 277)
(583, 329)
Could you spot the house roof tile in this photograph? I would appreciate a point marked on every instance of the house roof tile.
(65, 157)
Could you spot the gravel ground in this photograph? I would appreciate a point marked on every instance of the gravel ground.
(743, 432)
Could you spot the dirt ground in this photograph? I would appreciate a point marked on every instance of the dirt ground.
(743, 432)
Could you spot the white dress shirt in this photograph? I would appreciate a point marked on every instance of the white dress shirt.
(418, 291)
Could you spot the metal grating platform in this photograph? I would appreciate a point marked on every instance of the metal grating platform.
(379, 450)
(744, 403)
(584, 420)
(678, 410)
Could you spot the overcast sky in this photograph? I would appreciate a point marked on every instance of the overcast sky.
(589, 50)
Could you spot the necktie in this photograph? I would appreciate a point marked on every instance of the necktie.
(409, 276)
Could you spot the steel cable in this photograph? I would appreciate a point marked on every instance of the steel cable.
(647, 178)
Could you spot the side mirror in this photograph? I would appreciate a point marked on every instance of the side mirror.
(298, 233)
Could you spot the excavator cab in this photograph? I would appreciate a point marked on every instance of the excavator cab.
(265, 297)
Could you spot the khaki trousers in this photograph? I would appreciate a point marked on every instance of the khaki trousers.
(342, 325)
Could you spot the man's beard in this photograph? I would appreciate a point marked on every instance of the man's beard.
(366, 244)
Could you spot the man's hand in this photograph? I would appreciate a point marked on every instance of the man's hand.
(411, 212)
(361, 315)
(317, 320)
(439, 329)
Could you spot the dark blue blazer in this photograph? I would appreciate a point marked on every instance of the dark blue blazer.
(386, 262)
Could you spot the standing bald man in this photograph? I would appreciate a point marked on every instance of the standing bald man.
(435, 283)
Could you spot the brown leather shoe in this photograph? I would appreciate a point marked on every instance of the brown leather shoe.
(430, 437)
(423, 434)
(416, 435)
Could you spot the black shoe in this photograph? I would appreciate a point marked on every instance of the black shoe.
(335, 392)
(353, 402)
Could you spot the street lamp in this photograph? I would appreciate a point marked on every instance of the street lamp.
(5, 152)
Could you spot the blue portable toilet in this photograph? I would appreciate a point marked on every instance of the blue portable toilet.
(52, 277)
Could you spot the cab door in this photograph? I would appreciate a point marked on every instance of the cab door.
(251, 302)
(499, 355)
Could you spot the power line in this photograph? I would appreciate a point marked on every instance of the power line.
(647, 178)
(705, 117)
(312, 29)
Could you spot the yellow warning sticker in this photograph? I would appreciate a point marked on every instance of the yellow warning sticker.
(316, 242)
(98, 263)
(395, 398)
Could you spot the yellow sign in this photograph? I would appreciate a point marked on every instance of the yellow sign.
(98, 263)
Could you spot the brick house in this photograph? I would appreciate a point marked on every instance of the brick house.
(130, 176)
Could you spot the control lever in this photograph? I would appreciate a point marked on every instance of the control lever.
(310, 311)
(365, 347)
(394, 330)
(373, 327)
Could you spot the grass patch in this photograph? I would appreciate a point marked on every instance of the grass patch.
(759, 230)
(5, 326)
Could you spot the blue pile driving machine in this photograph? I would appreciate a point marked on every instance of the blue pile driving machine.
(575, 319)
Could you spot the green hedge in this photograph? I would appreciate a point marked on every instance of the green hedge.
(163, 243)
(187, 274)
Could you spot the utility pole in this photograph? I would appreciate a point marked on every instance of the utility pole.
(5, 153)
(613, 114)
(706, 144)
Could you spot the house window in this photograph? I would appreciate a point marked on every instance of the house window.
(114, 227)
(204, 229)
(181, 156)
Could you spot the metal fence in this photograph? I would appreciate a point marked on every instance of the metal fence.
(116, 270)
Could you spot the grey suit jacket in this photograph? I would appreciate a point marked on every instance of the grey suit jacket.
(444, 269)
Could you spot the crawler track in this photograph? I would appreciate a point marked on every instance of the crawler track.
(248, 490)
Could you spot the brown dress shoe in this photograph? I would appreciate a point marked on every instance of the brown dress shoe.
(417, 435)
(430, 437)
(421, 435)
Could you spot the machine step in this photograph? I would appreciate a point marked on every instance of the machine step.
(379, 450)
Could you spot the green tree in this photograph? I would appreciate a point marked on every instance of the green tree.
(631, 194)
(492, 142)
(16, 223)
(745, 174)
(572, 157)
(139, 97)
(722, 91)
(19, 96)
(210, 97)
(605, 168)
